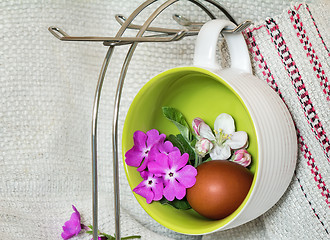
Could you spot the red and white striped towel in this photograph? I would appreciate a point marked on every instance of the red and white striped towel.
(291, 53)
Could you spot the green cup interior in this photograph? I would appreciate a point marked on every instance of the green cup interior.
(196, 93)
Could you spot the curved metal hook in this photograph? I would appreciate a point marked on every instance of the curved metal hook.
(222, 9)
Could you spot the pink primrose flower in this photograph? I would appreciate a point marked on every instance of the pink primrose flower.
(167, 147)
(177, 175)
(144, 174)
(144, 147)
(156, 152)
(242, 157)
(73, 226)
(150, 188)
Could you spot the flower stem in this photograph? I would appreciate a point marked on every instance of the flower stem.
(198, 160)
(131, 237)
(83, 226)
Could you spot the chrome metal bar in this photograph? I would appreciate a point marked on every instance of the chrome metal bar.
(121, 19)
(94, 140)
(115, 128)
(116, 40)
(94, 135)
(177, 34)
(204, 8)
(155, 38)
(56, 31)
(223, 10)
(241, 27)
(118, 97)
(183, 21)
(187, 23)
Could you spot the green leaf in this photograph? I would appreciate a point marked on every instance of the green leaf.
(184, 147)
(176, 142)
(90, 226)
(178, 204)
(187, 147)
(89, 232)
(107, 236)
(131, 237)
(193, 142)
(180, 122)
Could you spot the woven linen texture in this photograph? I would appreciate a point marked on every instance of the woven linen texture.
(290, 52)
(47, 88)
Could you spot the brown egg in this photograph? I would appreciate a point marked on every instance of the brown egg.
(220, 188)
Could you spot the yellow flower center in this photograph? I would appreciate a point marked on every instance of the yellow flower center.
(220, 136)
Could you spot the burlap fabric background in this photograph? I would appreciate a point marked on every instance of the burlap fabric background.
(47, 88)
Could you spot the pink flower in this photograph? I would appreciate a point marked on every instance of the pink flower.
(73, 226)
(101, 238)
(150, 188)
(196, 125)
(203, 146)
(177, 175)
(144, 174)
(156, 152)
(143, 149)
(167, 147)
(242, 157)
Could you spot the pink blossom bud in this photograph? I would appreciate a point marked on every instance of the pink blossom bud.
(242, 157)
(203, 146)
(195, 125)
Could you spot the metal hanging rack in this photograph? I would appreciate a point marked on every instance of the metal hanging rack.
(160, 35)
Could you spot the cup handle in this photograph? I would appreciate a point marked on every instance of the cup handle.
(206, 47)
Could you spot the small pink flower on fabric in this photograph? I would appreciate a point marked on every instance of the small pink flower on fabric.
(73, 226)
(177, 175)
(101, 238)
(150, 188)
(138, 156)
(242, 157)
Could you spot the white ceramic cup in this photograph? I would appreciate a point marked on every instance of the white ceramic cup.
(273, 135)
